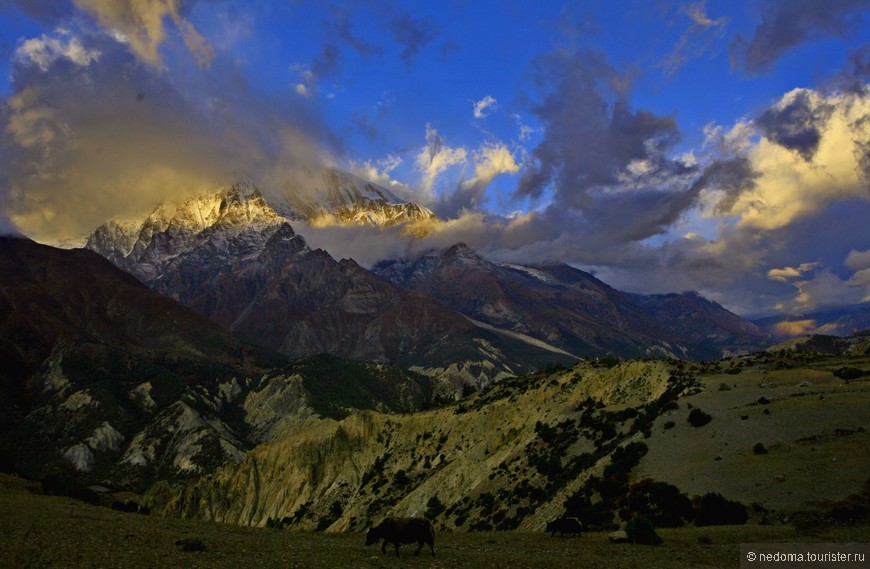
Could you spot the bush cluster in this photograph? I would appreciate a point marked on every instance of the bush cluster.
(698, 418)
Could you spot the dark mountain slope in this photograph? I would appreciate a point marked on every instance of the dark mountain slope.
(572, 309)
(104, 379)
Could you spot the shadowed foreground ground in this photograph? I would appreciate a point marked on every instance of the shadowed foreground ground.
(46, 531)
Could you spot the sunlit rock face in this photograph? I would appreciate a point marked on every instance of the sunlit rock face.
(374, 464)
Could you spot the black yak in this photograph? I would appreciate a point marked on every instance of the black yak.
(564, 525)
(403, 530)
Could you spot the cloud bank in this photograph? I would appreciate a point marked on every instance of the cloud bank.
(785, 25)
(96, 126)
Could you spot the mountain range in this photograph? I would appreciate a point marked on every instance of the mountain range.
(233, 256)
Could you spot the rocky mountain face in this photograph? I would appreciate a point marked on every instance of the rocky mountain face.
(109, 382)
(231, 223)
(507, 457)
(708, 330)
(231, 257)
(104, 379)
(573, 310)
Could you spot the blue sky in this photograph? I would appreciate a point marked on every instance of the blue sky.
(665, 146)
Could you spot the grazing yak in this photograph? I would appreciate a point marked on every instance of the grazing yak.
(403, 530)
(564, 525)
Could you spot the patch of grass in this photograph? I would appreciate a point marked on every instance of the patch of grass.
(44, 531)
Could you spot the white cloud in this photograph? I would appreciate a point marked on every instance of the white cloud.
(379, 173)
(484, 107)
(45, 50)
(698, 13)
(307, 86)
(789, 187)
(436, 158)
(788, 273)
(784, 274)
(858, 260)
(736, 140)
(823, 289)
(525, 131)
(82, 143)
(491, 160)
(302, 90)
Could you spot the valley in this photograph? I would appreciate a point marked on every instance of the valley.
(128, 390)
(787, 440)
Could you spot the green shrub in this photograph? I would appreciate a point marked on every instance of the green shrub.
(848, 373)
(713, 509)
(401, 479)
(434, 508)
(641, 530)
(698, 418)
(661, 503)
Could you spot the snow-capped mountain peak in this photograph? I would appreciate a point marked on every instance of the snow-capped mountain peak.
(341, 197)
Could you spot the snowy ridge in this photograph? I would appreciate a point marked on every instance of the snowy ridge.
(234, 220)
(233, 223)
(173, 227)
(532, 272)
(341, 197)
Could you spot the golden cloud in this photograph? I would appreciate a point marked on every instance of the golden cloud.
(790, 187)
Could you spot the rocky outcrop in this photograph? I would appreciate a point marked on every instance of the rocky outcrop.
(342, 475)
(707, 329)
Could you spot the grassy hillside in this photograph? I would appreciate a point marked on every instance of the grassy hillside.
(47, 531)
(784, 434)
(811, 425)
